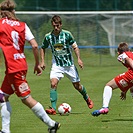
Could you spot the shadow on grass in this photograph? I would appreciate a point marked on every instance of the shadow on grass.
(74, 113)
(117, 120)
(78, 113)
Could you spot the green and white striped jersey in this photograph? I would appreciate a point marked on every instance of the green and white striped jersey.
(60, 46)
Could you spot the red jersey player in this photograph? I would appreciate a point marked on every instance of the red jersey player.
(123, 81)
(13, 35)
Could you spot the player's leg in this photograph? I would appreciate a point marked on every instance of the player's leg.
(83, 92)
(53, 92)
(53, 97)
(55, 75)
(22, 90)
(5, 113)
(5, 116)
(5, 105)
(39, 111)
(72, 74)
(107, 94)
(121, 81)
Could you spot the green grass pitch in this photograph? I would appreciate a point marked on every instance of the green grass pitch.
(93, 77)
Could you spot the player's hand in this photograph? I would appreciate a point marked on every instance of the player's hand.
(131, 91)
(43, 66)
(123, 95)
(80, 63)
(37, 70)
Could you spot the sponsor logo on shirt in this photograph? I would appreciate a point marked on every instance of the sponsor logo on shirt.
(19, 56)
(10, 22)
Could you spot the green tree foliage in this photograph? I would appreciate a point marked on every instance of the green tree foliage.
(74, 5)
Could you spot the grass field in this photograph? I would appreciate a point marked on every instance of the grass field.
(93, 77)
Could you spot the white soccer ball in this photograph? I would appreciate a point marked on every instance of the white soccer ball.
(64, 109)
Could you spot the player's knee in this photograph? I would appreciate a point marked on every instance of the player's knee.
(77, 86)
(53, 85)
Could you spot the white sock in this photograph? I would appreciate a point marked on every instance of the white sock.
(41, 114)
(107, 94)
(5, 114)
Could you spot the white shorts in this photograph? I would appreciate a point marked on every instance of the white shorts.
(70, 72)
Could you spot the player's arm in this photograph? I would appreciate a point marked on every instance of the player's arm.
(44, 45)
(37, 68)
(30, 38)
(123, 58)
(42, 58)
(123, 95)
(77, 53)
(129, 62)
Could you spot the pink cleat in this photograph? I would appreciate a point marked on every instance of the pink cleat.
(101, 111)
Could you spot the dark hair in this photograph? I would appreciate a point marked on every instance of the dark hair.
(122, 47)
(7, 9)
(56, 19)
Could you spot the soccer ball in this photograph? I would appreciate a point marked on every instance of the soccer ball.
(64, 109)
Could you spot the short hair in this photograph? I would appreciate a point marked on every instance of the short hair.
(122, 47)
(7, 9)
(56, 19)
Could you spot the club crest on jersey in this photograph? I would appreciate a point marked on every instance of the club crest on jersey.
(23, 87)
(123, 83)
(58, 47)
(10, 22)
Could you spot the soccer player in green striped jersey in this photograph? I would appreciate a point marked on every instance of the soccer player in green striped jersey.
(61, 41)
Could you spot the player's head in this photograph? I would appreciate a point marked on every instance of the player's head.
(56, 19)
(7, 8)
(56, 23)
(122, 47)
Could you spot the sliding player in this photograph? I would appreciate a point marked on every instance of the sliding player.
(123, 81)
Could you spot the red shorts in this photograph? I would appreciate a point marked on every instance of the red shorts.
(124, 81)
(16, 83)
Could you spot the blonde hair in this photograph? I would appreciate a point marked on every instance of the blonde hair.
(7, 8)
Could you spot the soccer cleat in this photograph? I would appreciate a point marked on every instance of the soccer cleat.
(89, 103)
(101, 111)
(51, 111)
(55, 128)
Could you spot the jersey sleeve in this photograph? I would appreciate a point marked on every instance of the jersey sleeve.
(71, 39)
(28, 34)
(45, 43)
(122, 57)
